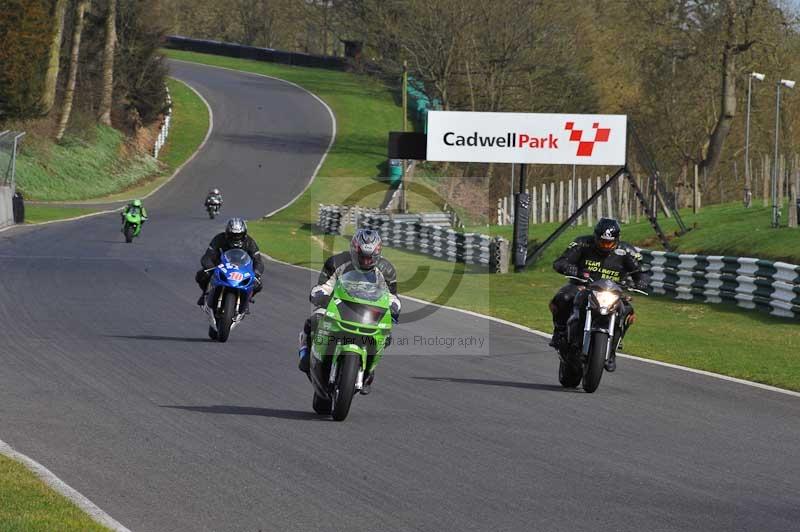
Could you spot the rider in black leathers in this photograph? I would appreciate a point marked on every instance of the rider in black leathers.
(234, 236)
(599, 256)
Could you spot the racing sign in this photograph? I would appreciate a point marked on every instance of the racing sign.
(526, 138)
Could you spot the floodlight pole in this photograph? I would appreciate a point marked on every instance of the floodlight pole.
(776, 213)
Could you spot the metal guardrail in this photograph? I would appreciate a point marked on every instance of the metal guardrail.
(750, 283)
(439, 241)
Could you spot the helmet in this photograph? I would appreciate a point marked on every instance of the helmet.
(606, 235)
(365, 249)
(236, 231)
(137, 203)
(213, 191)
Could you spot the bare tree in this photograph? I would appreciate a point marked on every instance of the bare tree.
(54, 59)
(69, 94)
(108, 63)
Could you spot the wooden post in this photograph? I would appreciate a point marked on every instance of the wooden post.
(620, 199)
(589, 195)
(561, 201)
(626, 210)
(765, 182)
(599, 203)
(636, 200)
(696, 191)
(534, 207)
(552, 202)
(580, 198)
(571, 205)
(544, 203)
(792, 203)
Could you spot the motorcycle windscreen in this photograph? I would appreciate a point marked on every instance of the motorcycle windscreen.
(237, 257)
(360, 313)
(364, 285)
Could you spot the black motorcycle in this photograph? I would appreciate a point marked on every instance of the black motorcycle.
(583, 355)
(213, 205)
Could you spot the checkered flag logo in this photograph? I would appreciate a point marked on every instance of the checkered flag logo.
(586, 147)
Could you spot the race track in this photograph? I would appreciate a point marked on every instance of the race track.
(107, 379)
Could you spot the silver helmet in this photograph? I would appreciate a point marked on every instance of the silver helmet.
(236, 231)
(365, 249)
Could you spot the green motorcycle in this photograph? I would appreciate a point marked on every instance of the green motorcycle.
(131, 224)
(349, 341)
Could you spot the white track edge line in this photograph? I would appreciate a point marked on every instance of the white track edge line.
(74, 496)
(169, 179)
(545, 335)
(320, 100)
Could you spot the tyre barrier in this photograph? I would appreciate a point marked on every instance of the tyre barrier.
(750, 283)
(431, 239)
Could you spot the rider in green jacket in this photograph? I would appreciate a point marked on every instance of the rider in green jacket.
(137, 205)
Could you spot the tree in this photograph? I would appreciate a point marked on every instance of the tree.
(24, 40)
(69, 94)
(54, 60)
(108, 63)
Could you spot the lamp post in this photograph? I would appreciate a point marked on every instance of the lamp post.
(789, 84)
(748, 194)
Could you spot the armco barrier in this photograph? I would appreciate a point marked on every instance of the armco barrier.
(436, 240)
(252, 52)
(750, 283)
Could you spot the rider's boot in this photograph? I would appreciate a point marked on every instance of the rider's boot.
(202, 300)
(366, 387)
(611, 362)
(559, 336)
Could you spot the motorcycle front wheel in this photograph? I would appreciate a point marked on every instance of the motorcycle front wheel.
(345, 389)
(226, 314)
(128, 233)
(596, 363)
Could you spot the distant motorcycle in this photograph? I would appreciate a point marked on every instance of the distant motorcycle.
(349, 341)
(583, 359)
(132, 225)
(213, 206)
(232, 285)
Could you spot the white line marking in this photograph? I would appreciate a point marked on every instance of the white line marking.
(63, 488)
(545, 335)
(320, 100)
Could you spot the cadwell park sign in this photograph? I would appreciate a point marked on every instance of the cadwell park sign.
(526, 138)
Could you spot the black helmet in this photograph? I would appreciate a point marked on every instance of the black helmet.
(606, 235)
(365, 249)
(235, 231)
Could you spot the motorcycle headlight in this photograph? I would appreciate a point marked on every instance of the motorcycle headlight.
(606, 299)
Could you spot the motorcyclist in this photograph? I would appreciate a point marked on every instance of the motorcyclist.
(213, 196)
(599, 256)
(364, 255)
(132, 208)
(234, 236)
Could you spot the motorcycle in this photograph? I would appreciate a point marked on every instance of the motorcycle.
(583, 356)
(228, 300)
(349, 341)
(132, 224)
(213, 205)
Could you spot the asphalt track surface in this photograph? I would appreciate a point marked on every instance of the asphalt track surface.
(107, 379)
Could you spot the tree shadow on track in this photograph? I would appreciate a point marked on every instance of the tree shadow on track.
(249, 411)
(507, 384)
(195, 339)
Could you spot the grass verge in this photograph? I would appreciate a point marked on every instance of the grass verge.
(27, 504)
(718, 338)
(190, 121)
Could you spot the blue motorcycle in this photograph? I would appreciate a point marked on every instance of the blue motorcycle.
(228, 300)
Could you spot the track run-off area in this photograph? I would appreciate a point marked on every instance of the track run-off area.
(108, 380)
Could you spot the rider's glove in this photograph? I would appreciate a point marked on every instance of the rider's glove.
(571, 270)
